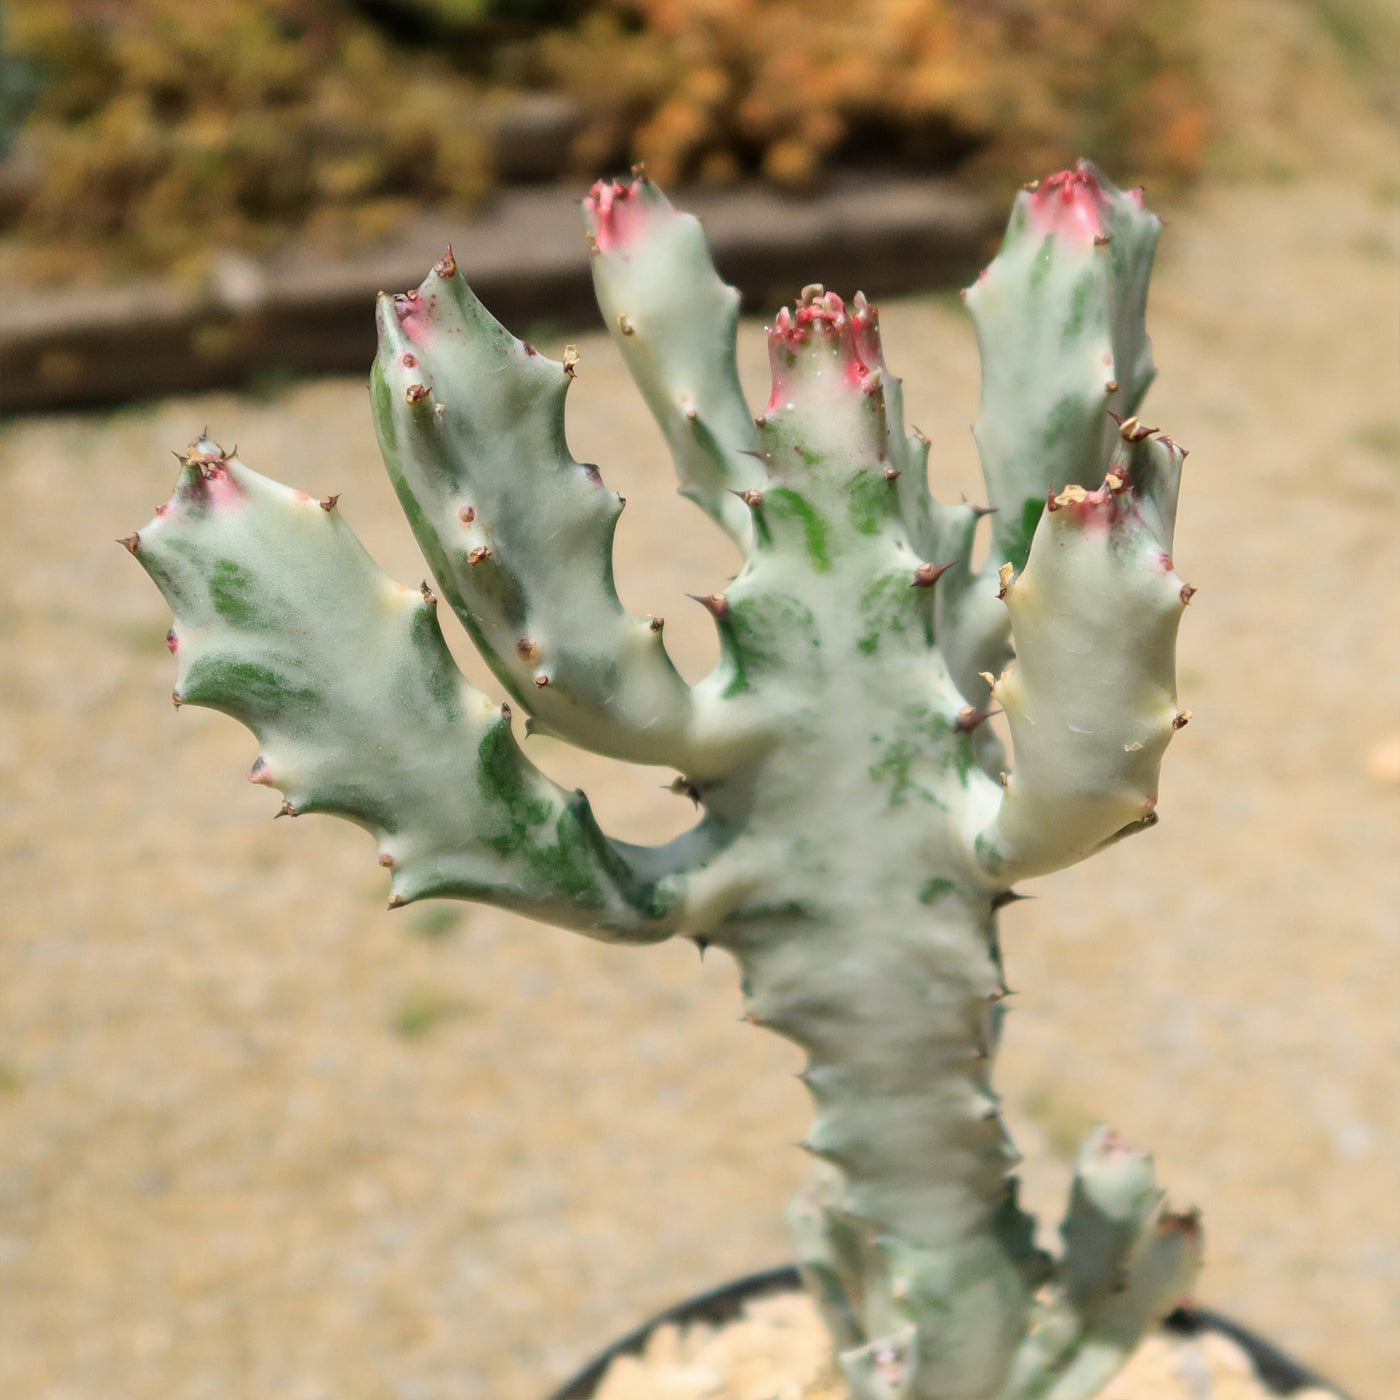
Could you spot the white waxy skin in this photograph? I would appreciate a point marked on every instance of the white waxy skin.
(858, 833)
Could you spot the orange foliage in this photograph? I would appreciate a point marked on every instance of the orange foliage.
(713, 88)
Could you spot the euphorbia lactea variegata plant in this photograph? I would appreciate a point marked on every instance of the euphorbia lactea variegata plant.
(861, 826)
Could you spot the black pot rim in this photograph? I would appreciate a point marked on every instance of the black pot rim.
(1282, 1372)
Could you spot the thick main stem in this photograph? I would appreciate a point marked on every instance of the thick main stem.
(898, 1014)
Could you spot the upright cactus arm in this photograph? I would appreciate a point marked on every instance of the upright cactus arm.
(1127, 1261)
(283, 621)
(518, 534)
(1091, 696)
(676, 324)
(1060, 319)
(1059, 315)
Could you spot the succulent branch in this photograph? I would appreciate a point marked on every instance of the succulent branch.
(859, 834)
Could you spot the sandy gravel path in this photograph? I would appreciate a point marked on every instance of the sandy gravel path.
(260, 1140)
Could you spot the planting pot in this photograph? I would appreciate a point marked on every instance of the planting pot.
(1278, 1370)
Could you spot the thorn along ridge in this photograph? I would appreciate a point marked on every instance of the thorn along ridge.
(717, 603)
(1000, 901)
(969, 717)
(926, 575)
(328, 503)
(1132, 429)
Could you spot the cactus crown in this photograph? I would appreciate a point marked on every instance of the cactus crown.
(861, 825)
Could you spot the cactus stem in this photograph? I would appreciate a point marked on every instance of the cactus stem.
(328, 503)
(446, 266)
(131, 541)
(926, 575)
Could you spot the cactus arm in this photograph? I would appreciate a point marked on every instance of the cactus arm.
(1059, 314)
(1060, 321)
(1091, 696)
(283, 621)
(676, 324)
(1127, 1262)
(518, 534)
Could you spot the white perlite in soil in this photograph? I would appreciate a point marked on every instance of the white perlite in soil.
(779, 1351)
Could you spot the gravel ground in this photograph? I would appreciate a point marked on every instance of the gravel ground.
(260, 1140)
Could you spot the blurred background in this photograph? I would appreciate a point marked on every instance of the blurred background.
(259, 1139)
